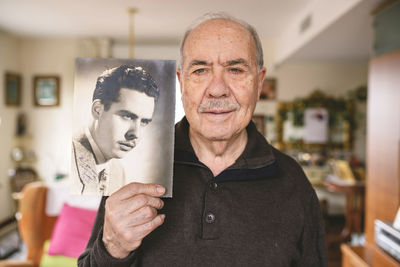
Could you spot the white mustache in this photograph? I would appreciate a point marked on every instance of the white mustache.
(218, 105)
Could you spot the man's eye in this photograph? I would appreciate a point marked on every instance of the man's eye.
(126, 117)
(199, 71)
(236, 70)
(144, 122)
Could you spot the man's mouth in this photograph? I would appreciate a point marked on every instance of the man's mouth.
(127, 146)
(217, 112)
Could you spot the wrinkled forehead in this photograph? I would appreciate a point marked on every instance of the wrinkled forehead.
(220, 29)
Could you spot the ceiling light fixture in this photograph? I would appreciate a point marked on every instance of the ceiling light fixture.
(131, 12)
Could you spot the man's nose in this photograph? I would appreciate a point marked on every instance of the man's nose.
(218, 86)
(134, 130)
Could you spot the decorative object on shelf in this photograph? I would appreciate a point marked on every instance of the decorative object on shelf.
(268, 91)
(22, 154)
(12, 89)
(21, 176)
(316, 125)
(358, 94)
(342, 170)
(341, 122)
(21, 124)
(46, 91)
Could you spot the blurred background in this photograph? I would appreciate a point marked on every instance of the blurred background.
(330, 100)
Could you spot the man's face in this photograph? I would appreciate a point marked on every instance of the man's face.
(118, 129)
(219, 79)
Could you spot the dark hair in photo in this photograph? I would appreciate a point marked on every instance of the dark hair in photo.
(110, 82)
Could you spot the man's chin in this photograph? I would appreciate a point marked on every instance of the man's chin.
(215, 135)
(121, 154)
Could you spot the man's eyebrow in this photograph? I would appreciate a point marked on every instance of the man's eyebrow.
(235, 62)
(125, 112)
(199, 62)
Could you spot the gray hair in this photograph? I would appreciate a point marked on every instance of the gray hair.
(222, 15)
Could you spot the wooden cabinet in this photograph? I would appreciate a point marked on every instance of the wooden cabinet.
(356, 256)
(383, 158)
(363, 256)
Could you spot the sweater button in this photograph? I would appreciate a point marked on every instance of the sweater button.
(214, 186)
(210, 218)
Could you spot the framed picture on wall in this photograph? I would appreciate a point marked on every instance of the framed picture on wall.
(46, 91)
(268, 91)
(12, 89)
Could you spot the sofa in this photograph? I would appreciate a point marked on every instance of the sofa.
(55, 225)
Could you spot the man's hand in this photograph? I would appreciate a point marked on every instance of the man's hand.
(130, 215)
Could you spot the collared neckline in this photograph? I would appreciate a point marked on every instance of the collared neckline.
(256, 160)
(96, 150)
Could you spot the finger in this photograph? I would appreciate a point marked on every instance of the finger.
(141, 216)
(138, 201)
(144, 229)
(130, 210)
(130, 205)
(132, 189)
(133, 238)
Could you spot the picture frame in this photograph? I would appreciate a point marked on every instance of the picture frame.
(268, 91)
(46, 91)
(13, 85)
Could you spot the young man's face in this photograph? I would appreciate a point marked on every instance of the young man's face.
(118, 129)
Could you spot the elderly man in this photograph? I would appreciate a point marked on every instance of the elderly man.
(123, 104)
(237, 200)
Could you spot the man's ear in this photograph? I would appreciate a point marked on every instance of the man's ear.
(261, 77)
(179, 75)
(97, 109)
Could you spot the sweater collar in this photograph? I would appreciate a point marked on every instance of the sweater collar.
(257, 155)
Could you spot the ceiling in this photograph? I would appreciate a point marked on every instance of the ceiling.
(349, 38)
(158, 19)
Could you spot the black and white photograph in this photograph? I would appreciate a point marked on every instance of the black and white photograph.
(123, 124)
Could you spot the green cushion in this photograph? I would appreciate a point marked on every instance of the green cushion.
(56, 260)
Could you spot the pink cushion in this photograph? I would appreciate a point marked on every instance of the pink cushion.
(71, 231)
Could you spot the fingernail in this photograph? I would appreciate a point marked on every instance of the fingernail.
(160, 189)
(162, 216)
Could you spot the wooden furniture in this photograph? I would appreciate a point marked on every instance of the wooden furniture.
(34, 225)
(383, 155)
(354, 207)
(16, 263)
(356, 256)
(363, 256)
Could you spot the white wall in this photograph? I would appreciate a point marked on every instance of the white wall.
(299, 80)
(146, 51)
(9, 61)
(321, 13)
(50, 126)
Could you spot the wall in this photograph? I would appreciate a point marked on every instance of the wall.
(167, 51)
(299, 80)
(9, 47)
(50, 126)
(320, 14)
